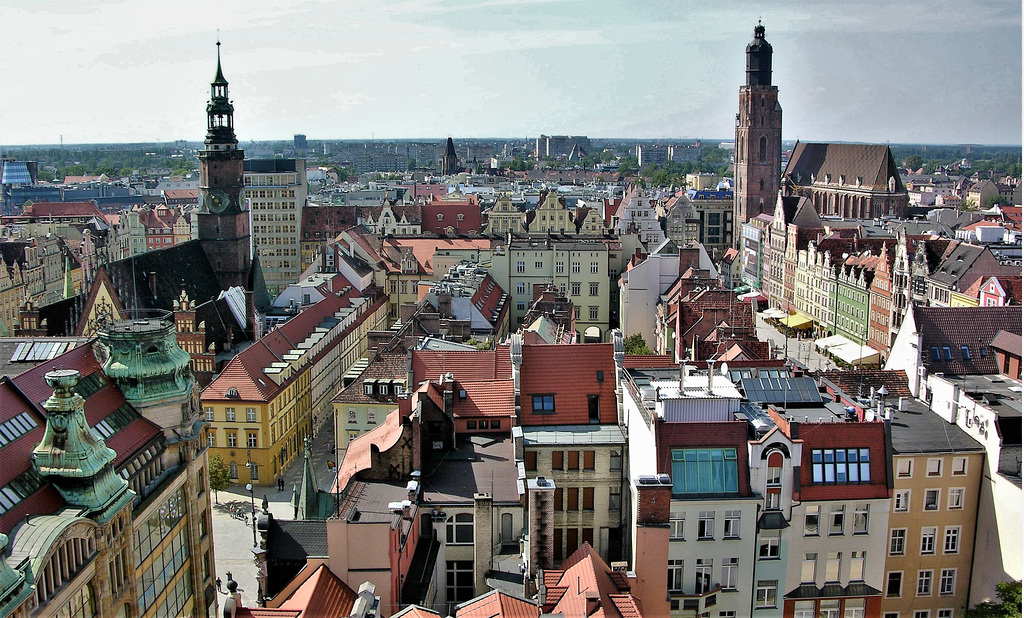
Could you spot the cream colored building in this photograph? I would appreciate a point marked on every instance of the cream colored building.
(937, 471)
(504, 218)
(275, 190)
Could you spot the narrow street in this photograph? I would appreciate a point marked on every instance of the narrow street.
(233, 538)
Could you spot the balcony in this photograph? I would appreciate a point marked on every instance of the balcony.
(697, 602)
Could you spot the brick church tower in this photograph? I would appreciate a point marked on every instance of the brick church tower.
(223, 218)
(758, 135)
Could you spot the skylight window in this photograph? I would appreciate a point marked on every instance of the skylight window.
(965, 352)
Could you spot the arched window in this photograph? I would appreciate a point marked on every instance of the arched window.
(459, 529)
(233, 467)
(762, 184)
(763, 152)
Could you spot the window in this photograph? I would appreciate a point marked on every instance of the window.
(209, 414)
(931, 499)
(531, 461)
(251, 440)
(811, 521)
(730, 573)
(945, 613)
(765, 594)
(774, 476)
(837, 520)
(927, 541)
(520, 267)
(352, 413)
(935, 467)
(675, 575)
(703, 576)
(897, 541)
(575, 287)
(250, 415)
(924, 583)
(593, 312)
(771, 501)
(371, 417)
(807, 568)
(828, 608)
(704, 471)
(538, 265)
(233, 470)
(947, 581)
(959, 466)
(731, 527)
(543, 404)
(588, 498)
(558, 460)
(254, 471)
(367, 388)
(559, 267)
(768, 548)
(894, 584)
(901, 501)
(803, 609)
(461, 585)
(955, 498)
(594, 268)
(232, 440)
(230, 414)
(833, 561)
(951, 540)
(572, 498)
(850, 465)
(706, 525)
(459, 529)
(576, 268)
(856, 566)
(520, 288)
(211, 439)
(593, 289)
(922, 613)
(904, 468)
(676, 526)
(860, 519)
(614, 498)
(854, 608)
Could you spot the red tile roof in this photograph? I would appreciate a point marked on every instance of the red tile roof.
(497, 604)
(358, 457)
(63, 209)
(464, 365)
(585, 572)
(321, 595)
(647, 361)
(953, 327)
(490, 398)
(571, 373)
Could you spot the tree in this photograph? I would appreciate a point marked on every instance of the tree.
(1009, 594)
(996, 200)
(220, 475)
(636, 345)
(913, 162)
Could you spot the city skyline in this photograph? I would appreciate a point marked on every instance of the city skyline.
(422, 69)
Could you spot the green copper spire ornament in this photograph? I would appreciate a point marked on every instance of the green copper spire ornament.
(73, 457)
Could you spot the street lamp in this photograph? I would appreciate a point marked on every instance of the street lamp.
(252, 503)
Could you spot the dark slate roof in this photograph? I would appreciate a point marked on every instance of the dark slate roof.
(917, 430)
(772, 520)
(62, 316)
(296, 539)
(953, 327)
(872, 163)
(832, 590)
(185, 266)
(955, 265)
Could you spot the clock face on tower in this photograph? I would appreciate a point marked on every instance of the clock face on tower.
(217, 201)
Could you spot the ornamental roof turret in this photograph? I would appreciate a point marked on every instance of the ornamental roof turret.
(75, 458)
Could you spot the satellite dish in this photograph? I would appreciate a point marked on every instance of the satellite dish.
(724, 369)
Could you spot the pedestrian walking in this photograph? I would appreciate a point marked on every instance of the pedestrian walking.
(218, 585)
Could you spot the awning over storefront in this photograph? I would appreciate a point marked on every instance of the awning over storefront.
(797, 321)
(849, 352)
(754, 296)
(773, 314)
(741, 289)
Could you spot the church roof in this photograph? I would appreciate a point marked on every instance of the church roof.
(153, 280)
(871, 164)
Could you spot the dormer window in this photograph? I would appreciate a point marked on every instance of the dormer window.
(232, 393)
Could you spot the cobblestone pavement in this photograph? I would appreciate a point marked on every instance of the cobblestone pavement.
(233, 538)
(800, 350)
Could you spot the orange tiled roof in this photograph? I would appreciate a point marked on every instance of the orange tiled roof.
(582, 572)
(486, 398)
(322, 594)
(497, 604)
(357, 457)
(465, 365)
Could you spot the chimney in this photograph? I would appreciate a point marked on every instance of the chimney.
(593, 601)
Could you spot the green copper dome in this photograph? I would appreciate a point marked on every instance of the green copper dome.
(143, 358)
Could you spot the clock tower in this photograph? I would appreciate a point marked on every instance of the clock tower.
(222, 216)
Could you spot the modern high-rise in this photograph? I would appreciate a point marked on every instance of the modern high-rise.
(758, 134)
(275, 190)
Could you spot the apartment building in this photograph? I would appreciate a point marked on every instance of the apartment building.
(936, 487)
(579, 269)
(276, 392)
(276, 192)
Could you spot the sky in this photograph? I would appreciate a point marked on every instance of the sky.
(916, 71)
